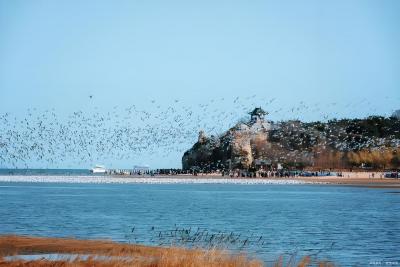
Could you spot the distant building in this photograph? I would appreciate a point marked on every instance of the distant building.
(141, 169)
(257, 120)
(262, 163)
(257, 115)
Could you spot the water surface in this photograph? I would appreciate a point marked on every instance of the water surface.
(349, 225)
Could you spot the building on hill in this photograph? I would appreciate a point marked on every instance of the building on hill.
(257, 121)
(257, 114)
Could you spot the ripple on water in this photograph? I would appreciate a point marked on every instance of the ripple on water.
(347, 225)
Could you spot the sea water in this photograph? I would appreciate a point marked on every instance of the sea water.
(351, 226)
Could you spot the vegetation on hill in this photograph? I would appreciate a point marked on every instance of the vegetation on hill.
(372, 142)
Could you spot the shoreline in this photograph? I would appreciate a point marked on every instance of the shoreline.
(185, 179)
(144, 180)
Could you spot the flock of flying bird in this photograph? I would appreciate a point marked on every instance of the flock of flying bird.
(46, 138)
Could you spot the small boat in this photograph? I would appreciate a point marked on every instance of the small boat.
(99, 169)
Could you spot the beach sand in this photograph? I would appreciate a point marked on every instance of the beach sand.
(351, 179)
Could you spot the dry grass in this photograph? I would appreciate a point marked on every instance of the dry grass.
(129, 255)
(121, 255)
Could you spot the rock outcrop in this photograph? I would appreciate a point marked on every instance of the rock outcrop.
(259, 143)
(396, 114)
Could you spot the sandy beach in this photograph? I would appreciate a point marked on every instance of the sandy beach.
(351, 179)
(146, 180)
(358, 181)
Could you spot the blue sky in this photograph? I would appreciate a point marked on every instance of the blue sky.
(341, 55)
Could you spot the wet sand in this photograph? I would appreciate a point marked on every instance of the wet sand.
(334, 180)
(356, 179)
(348, 179)
(364, 182)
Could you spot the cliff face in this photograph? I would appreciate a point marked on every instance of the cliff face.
(234, 149)
(335, 144)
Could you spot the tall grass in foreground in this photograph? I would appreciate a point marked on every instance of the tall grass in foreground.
(123, 254)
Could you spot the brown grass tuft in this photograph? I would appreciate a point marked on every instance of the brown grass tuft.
(129, 255)
(123, 255)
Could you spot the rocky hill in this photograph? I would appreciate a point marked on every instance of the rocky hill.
(372, 142)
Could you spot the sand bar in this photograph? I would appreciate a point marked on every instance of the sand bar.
(145, 180)
(321, 180)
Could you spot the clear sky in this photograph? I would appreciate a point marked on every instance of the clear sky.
(54, 54)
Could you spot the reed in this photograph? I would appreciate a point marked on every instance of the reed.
(117, 254)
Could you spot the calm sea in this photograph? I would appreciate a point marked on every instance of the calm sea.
(350, 226)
